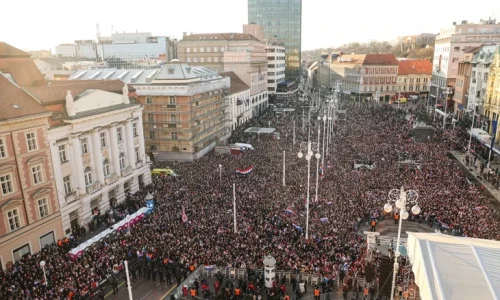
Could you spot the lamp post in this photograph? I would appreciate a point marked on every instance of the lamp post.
(402, 199)
(476, 103)
(324, 118)
(42, 264)
(447, 91)
(309, 147)
(429, 84)
(129, 286)
(220, 173)
(284, 169)
(317, 167)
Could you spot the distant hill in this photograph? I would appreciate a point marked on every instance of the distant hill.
(416, 47)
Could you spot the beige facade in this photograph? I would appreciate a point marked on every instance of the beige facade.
(29, 210)
(492, 98)
(241, 53)
(255, 30)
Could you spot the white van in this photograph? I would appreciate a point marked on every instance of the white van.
(413, 98)
(245, 146)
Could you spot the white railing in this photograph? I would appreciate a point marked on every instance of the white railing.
(93, 188)
(111, 178)
(127, 171)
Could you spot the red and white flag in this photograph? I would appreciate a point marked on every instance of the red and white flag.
(184, 216)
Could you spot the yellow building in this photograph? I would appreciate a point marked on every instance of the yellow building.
(492, 99)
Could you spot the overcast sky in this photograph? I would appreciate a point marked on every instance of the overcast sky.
(34, 25)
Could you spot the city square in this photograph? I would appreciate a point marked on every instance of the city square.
(237, 165)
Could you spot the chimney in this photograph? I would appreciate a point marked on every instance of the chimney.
(454, 23)
(70, 105)
(126, 99)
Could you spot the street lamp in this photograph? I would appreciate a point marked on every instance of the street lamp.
(429, 84)
(324, 132)
(402, 199)
(220, 173)
(447, 91)
(309, 147)
(42, 264)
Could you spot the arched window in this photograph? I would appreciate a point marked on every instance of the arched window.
(173, 118)
(122, 161)
(105, 168)
(88, 176)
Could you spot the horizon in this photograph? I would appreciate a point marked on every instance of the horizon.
(373, 23)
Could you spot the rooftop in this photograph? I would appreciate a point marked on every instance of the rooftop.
(15, 103)
(423, 66)
(169, 71)
(350, 59)
(485, 54)
(19, 65)
(380, 59)
(237, 85)
(57, 90)
(219, 36)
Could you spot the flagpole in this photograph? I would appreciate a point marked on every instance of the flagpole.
(284, 182)
(129, 286)
(234, 207)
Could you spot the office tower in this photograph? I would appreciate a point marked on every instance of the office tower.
(282, 21)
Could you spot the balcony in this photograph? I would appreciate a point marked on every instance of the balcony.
(126, 171)
(110, 179)
(70, 197)
(93, 188)
(139, 163)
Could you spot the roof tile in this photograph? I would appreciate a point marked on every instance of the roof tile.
(421, 66)
(15, 103)
(237, 85)
(380, 59)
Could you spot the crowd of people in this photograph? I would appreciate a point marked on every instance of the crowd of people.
(271, 218)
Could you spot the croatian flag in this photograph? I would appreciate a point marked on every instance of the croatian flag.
(323, 220)
(444, 225)
(244, 171)
(289, 212)
(297, 227)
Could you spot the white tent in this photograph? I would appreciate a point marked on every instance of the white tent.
(449, 268)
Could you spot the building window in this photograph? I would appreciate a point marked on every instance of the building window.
(188, 50)
(456, 49)
(151, 117)
(122, 161)
(171, 100)
(149, 100)
(216, 49)
(126, 186)
(119, 134)
(67, 184)
(88, 176)
(37, 174)
(94, 204)
(21, 251)
(7, 186)
(202, 49)
(103, 139)
(85, 146)
(62, 153)
(105, 168)
(134, 129)
(173, 118)
(43, 208)
(174, 135)
(31, 139)
(3, 149)
(14, 219)
(137, 155)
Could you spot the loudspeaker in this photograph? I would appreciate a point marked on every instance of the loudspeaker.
(385, 279)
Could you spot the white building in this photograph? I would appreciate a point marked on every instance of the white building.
(275, 67)
(238, 109)
(125, 46)
(98, 153)
(481, 63)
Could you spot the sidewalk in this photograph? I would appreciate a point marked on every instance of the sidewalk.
(460, 157)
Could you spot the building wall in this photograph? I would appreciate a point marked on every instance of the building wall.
(417, 83)
(492, 98)
(178, 127)
(207, 53)
(33, 200)
(238, 114)
(275, 67)
(282, 23)
(79, 198)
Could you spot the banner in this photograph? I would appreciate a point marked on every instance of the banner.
(150, 204)
(244, 171)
